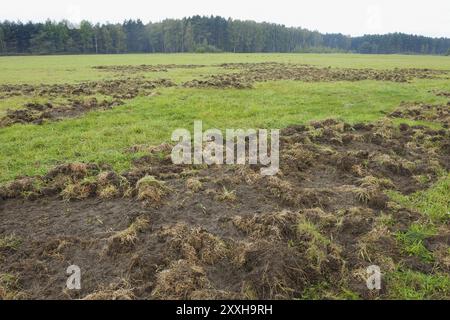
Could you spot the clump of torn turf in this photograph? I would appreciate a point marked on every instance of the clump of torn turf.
(180, 281)
(227, 195)
(151, 190)
(121, 291)
(194, 245)
(194, 184)
(127, 238)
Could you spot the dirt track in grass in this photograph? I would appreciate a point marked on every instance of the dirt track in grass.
(161, 231)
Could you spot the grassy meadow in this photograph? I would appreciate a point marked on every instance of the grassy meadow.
(103, 136)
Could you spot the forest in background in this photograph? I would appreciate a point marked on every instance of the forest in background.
(199, 34)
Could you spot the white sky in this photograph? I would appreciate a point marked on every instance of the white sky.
(352, 17)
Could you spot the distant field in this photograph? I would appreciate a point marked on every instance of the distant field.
(52, 69)
(85, 174)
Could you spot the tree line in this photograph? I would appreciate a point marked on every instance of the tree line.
(198, 34)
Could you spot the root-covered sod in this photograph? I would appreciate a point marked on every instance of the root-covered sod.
(364, 179)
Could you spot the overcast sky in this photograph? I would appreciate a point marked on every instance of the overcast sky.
(352, 17)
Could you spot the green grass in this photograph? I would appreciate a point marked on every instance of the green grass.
(434, 202)
(412, 241)
(101, 136)
(411, 285)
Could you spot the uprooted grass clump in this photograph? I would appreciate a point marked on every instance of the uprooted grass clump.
(180, 281)
(194, 245)
(115, 291)
(129, 235)
(36, 113)
(10, 287)
(194, 184)
(151, 190)
(227, 195)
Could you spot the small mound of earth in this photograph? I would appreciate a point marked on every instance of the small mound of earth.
(164, 231)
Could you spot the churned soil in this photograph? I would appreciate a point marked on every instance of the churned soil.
(165, 231)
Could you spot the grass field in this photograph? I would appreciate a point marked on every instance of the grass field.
(103, 136)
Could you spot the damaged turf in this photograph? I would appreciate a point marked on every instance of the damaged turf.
(162, 231)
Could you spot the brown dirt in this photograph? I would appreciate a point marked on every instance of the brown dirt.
(319, 219)
(249, 73)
